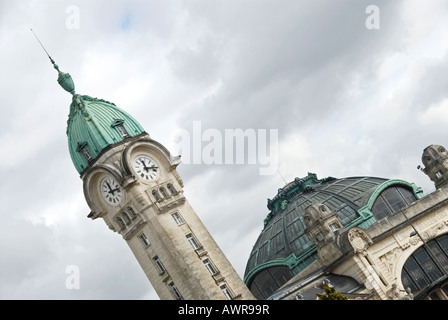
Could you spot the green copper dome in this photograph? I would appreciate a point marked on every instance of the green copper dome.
(94, 125)
(283, 248)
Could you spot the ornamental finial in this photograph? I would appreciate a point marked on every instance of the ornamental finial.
(64, 79)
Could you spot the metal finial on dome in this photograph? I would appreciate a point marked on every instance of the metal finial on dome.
(64, 79)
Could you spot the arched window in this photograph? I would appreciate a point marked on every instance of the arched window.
(120, 222)
(162, 191)
(421, 270)
(266, 282)
(132, 213)
(126, 217)
(155, 195)
(392, 199)
(171, 189)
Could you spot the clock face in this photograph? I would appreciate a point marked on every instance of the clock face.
(146, 168)
(111, 191)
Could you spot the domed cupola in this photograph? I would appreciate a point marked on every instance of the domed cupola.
(94, 125)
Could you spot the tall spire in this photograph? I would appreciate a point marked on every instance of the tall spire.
(93, 124)
(64, 79)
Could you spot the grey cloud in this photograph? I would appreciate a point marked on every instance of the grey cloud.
(200, 64)
(287, 71)
(430, 86)
(292, 64)
(287, 65)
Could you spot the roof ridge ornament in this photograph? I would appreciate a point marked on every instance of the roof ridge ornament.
(64, 79)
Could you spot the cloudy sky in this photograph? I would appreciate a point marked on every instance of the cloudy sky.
(344, 99)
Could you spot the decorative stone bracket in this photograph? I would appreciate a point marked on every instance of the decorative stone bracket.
(359, 239)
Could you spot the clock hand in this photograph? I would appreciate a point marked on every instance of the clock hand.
(108, 185)
(113, 191)
(144, 166)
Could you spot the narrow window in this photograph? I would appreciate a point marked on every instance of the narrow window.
(119, 125)
(121, 222)
(175, 291)
(171, 189)
(144, 239)
(163, 193)
(226, 292)
(155, 195)
(82, 148)
(334, 226)
(209, 267)
(126, 218)
(132, 213)
(122, 131)
(177, 218)
(159, 264)
(438, 174)
(192, 241)
(86, 154)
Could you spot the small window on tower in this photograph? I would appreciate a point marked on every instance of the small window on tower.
(86, 154)
(162, 191)
(177, 218)
(132, 213)
(193, 241)
(171, 189)
(159, 264)
(438, 174)
(82, 148)
(209, 266)
(119, 125)
(121, 223)
(155, 195)
(122, 131)
(334, 226)
(175, 291)
(144, 239)
(226, 292)
(126, 217)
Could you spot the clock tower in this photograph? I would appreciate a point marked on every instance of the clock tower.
(130, 181)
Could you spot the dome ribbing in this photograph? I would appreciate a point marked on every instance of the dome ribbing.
(94, 125)
(283, 242)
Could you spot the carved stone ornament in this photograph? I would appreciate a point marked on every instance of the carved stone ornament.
(359, 239)
(396, 294)
(389, 260)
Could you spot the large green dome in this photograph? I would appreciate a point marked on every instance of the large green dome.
(283, 249)
(93, 126)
